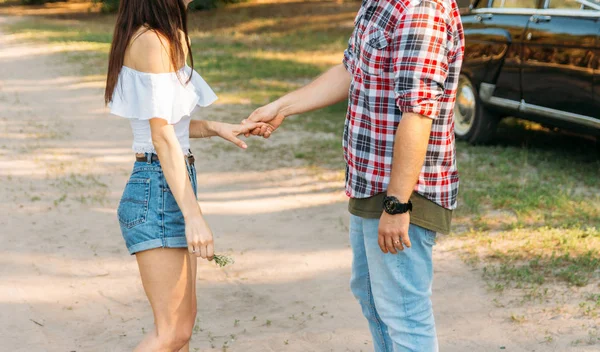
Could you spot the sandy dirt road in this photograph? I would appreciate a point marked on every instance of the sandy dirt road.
(68, 284)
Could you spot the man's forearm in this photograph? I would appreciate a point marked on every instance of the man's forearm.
(410, 148)
(328, 89)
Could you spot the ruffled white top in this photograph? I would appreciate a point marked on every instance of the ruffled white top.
(141, 96)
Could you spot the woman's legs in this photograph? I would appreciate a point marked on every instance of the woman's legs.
(169, 279)
(194, 266)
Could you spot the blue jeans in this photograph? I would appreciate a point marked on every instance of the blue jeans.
(394, 290)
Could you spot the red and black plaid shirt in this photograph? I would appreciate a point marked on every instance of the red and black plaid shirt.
(404, 56)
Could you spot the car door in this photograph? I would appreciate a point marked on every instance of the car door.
(498, 28)
(558, 59)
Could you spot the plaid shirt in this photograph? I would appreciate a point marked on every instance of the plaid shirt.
(404, 56)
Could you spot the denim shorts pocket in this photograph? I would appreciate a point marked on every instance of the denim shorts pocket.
(133, 208)
(194, 180)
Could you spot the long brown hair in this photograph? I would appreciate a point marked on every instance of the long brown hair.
(165, 17)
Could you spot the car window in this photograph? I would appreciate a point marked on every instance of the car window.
(482, 4)
(565, 4)
(515, 4)
(592, 5)
(589, 5)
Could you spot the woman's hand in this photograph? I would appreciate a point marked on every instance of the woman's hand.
(199, 237)
(230, 132)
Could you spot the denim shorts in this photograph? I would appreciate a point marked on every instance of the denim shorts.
(148, 213)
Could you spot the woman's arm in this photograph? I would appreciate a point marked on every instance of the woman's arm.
(202, 129)
(198, 234)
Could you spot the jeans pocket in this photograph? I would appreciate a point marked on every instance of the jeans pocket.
(133, 207)
(430, 237)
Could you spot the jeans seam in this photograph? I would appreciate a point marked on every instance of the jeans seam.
(374, 311)
(413, 324)
(404, 302)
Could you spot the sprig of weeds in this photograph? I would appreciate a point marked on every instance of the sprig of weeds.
(223, 260)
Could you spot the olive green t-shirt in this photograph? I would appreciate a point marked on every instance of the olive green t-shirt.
(426, 213)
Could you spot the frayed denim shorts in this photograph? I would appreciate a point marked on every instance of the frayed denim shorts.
(148, 213)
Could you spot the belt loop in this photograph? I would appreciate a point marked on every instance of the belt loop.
(149, 158)
(190, 157)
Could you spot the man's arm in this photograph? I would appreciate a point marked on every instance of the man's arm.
(410, 148)
(420, 70)
(328, 89)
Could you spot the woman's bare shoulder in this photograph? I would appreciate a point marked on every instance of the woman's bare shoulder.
(149, 52)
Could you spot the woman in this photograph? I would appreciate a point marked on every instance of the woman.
(150, 83)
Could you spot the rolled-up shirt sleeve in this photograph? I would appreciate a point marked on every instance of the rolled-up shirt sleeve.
(421, 59)
(348, 60)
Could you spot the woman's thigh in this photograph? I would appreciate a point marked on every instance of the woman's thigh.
(169, 279)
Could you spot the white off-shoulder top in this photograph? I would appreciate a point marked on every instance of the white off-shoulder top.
(140, 96)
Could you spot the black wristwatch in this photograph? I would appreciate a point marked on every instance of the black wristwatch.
(392, 206)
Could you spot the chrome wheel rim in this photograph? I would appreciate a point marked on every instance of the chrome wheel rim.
(464, 109)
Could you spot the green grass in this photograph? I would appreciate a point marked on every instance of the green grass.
(539, 186)
(536, 190)
(528, 258)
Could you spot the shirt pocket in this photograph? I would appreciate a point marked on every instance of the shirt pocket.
(133, 207)
(374, 51)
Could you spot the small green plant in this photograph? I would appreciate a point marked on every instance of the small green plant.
(223, 260)
(518, 318)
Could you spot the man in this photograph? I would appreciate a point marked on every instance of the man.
(400, 73)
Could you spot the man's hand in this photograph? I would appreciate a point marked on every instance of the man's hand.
(393, 232)
(269, 114)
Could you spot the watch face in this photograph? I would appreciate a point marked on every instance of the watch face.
(390, 206)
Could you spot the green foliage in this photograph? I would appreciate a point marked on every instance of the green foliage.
(113, 5)
(210, 4)
(38, 2)
(108, 5)
(223, 260)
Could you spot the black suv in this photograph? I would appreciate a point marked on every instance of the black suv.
(534, 59)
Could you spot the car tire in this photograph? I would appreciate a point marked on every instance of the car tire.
(472, 121)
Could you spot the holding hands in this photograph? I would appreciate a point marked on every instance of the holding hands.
(230, 132)
(227, 131)
(262, 122)
(269, 118)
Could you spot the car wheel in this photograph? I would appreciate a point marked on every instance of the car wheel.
(472, 122)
